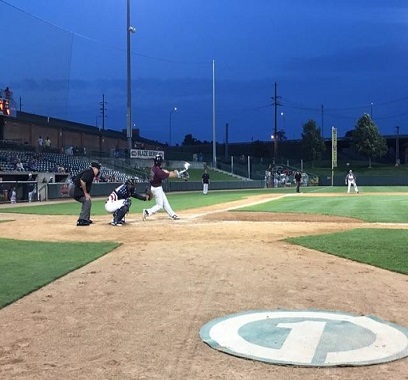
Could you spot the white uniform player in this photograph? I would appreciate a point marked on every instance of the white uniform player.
(351, 180)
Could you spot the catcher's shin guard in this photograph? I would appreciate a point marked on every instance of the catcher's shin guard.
(120, 214)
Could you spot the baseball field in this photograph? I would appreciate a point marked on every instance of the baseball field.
(105, 302)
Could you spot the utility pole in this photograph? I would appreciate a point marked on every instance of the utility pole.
(275, 133)
(103, 109)
(322, 121)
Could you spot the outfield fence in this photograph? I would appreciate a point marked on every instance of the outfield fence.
(53, 191)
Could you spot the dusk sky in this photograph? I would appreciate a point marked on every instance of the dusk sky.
(351, 57)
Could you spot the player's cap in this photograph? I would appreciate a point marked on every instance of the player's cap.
(95, 164)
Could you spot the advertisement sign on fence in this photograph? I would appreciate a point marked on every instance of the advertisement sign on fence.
(145, 153)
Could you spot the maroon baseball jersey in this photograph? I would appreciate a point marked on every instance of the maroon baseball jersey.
(157, 175)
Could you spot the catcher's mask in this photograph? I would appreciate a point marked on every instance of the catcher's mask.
(158, 160)
(130, 182)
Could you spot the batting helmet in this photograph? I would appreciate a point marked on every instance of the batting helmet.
(158, 160)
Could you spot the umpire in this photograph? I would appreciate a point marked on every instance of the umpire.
(80, 189)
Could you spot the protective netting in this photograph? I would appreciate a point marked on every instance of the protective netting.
(64, 74)
(45, 52)
(50, 71)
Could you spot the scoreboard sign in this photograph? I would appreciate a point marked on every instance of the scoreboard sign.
(4, 107)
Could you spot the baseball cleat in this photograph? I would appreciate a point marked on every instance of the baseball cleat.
(175, 217)
(116, 224)
(145, 214)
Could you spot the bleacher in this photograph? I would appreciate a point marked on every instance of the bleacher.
(49, 162)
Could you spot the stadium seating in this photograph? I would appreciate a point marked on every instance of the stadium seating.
(54, 162)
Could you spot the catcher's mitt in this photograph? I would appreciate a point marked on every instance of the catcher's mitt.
(149, 194)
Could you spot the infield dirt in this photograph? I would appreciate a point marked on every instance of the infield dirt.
(136, 312)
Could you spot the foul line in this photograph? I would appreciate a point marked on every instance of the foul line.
(238, 207)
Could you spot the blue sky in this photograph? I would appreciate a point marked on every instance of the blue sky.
(349, 56)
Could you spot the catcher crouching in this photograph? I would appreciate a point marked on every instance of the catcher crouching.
(119, 201)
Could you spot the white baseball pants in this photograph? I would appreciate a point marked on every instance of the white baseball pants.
(353, 182)
(161, 202)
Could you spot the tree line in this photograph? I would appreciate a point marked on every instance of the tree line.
(365, 139)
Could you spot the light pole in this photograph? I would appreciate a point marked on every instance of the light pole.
(171, 113)
(371, 110)
(130, 29)
(397, 158)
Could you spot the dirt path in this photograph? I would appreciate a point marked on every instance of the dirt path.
(136, 312)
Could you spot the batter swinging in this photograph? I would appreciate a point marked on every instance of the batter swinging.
(157, 175)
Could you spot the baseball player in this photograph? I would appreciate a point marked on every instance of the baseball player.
(31, 187)
(205, 180)
(351, 180)
(157, 175)
(119, 201)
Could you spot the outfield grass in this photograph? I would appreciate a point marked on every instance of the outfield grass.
(26, 266)
(369, 208)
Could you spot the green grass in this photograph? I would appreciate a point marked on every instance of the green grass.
(369, 208)
(178, 201)
(383, 248)
(187, 200)
(26, 266)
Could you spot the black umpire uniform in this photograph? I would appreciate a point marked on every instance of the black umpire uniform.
(80, 189)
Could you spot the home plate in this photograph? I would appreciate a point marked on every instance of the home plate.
(307, 338)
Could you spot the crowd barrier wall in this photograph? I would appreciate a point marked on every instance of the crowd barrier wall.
(54, 191)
